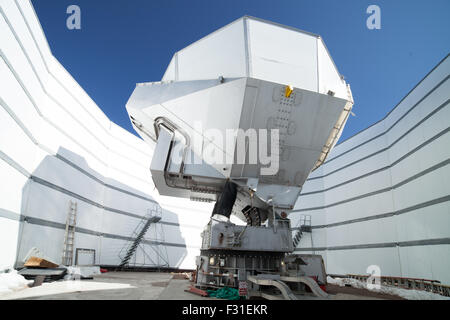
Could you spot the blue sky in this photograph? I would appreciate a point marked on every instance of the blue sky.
(123, 42)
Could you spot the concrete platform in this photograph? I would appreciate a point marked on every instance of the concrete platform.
(111, 286)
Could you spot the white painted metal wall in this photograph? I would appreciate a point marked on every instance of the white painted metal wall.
(383, 196)
(252, 47)
(56, 145)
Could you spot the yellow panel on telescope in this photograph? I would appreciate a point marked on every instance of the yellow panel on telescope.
(288, 92)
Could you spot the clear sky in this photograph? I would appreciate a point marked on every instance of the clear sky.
(123, 42)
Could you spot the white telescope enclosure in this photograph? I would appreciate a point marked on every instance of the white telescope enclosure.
(250, 74)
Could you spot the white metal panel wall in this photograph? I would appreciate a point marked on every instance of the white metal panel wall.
(252, 47)
(329, 78)
(206, 58)
(385, 192)
(170, 74)
(283, 56)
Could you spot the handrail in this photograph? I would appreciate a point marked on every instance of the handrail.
(169, 125)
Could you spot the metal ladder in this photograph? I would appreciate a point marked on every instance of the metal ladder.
(69, 236)
(304, 225)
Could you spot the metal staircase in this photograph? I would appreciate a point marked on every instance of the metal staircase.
(304, 225)
(152, 217)
(69, 236)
